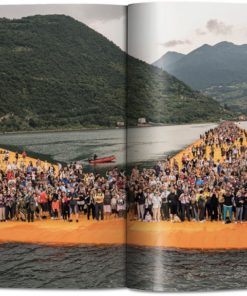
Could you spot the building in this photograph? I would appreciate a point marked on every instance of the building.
(142, 120)
(120, 124)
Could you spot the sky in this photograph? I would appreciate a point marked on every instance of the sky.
(109, 20)
(154, 29)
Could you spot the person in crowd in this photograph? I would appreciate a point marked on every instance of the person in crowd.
(65, 206)
(121, 205)
(2, 207)
(43, 201)
(214, 204)
(107, 204)
(73, 206)
(173, 203)
(194, 206)
(55, 208)
(164, 204)
(148, 204)
(228, 204)
(156, 201)
(30, 206)
(185, 199)
(99, 202)
(239, 203)
(9, 205)
(140, 198)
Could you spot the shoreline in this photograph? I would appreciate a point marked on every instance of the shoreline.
(41, 131)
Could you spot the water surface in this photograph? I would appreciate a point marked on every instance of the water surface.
(147, 144)
(159, 269)
(37, 266)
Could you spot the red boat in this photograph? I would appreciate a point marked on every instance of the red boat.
(102, 159)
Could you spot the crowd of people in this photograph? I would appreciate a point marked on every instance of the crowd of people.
(207, 183)
(38, 191)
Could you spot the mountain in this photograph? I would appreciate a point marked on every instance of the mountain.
(57, 73)
(162, 98)
(168, 59)
(232, 96)
(208, 65)
(220, 71)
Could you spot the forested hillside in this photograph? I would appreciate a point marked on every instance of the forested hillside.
(57, 73)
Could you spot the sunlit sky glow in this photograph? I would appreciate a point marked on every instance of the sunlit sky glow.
(157, 28)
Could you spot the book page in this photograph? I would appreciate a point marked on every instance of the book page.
(187, 146)
(62, 146)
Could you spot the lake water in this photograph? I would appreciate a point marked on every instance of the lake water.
(144, 144)
(81, 267)
(179, 270)
(37, 266)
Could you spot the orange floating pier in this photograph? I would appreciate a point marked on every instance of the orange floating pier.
(188, 235)
(54, 232)
(25, 161)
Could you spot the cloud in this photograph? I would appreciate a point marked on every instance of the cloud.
(218, 27)
(200, 32)
(172, 43)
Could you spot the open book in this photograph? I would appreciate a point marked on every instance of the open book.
(123, 126)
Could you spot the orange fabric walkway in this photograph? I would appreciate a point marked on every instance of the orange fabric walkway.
(188, 235)
(26, 161)
(64, 233)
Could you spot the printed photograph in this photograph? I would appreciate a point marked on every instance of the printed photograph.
(123, 146)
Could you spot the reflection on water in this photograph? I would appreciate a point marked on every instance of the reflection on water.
(70, 146)
(144, 144)
(177, 270)
(35, 266)
(153, 143)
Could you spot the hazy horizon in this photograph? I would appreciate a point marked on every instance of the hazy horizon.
(211, 45)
